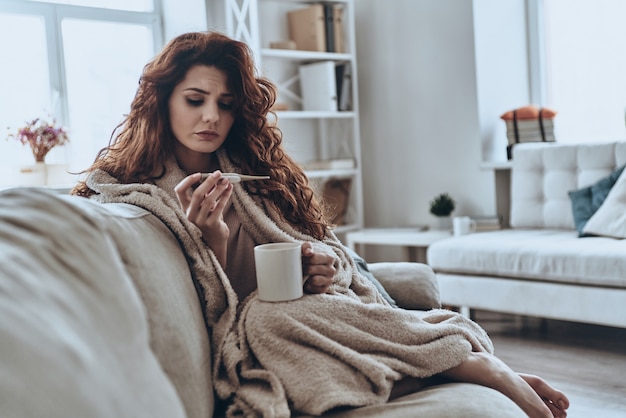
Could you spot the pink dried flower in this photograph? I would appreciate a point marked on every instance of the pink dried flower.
(41, 136)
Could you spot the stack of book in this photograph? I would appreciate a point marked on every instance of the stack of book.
(487, 223)
(528, 124)
(317, 27)
(530, 130)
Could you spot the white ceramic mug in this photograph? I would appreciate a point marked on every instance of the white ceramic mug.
(463, 225)
(279, 271)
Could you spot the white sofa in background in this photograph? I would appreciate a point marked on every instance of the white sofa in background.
(540, 266)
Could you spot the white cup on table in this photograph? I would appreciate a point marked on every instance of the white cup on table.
(463, 225)
(279, 271)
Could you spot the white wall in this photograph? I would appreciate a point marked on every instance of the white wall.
(181, 16)
(502, 69)
(429, 96)
(434, 77)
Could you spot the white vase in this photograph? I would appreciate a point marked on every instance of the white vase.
(444, 223)
(57, 175)
(33, 175)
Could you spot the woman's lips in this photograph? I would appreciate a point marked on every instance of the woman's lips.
(207, 135)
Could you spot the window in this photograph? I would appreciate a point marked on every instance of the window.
(131, 5)
(78, 62)
(583, 67)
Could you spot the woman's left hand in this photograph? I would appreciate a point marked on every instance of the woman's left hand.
(319, 266)
(205, 206)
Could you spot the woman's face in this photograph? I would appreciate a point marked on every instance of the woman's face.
(200, 110)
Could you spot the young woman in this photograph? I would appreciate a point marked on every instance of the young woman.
(201, 108)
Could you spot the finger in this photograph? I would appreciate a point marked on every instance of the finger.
(209, 183)
(216, 201)
(319, 281)
(320, 270)
(184, 188)
(226, 192)
(314, 290)
(320, 258)
(307, 249)
(213, 205)
(204, 194)
(204, 210)
(314, 286)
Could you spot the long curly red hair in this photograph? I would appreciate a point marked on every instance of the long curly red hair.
(141, 144)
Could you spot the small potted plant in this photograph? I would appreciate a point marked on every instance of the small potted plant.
(442, 206)
(41, 135)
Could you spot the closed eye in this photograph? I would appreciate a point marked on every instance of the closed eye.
(195, 102)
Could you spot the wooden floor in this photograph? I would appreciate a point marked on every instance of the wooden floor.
(587, 362)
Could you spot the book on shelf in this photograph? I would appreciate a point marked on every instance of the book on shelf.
(317, 27)
(343, 73)
(307, 28)
(330, 164)
(530, 124)
(530, 131)
(340, 45)
(318, 86)
(547, 137)
(329, 27)
(487, 219)
(485, 228)
(487, 223)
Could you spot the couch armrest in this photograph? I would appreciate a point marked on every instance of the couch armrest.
(411, 285)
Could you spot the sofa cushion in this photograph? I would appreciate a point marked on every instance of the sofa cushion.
(412, 285)
(544, 173)
(158, 268)
(543, 254)
(450, 400)
(610, 218)
(586, 201)
(73, 336)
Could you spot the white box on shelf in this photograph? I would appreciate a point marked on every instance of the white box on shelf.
(318, 86)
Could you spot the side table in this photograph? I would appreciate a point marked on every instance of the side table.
(415, 241)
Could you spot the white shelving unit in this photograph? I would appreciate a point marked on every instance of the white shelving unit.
(308, 135)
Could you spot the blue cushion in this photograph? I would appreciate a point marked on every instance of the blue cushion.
(586, 201)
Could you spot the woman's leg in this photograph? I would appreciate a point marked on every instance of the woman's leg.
(531, 393)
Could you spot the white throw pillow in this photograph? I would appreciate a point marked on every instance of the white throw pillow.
(610, 219)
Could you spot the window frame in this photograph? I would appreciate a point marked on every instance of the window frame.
(53, 15)
(535, 38)
(538, 61)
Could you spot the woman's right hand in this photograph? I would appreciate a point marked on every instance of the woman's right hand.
(204, 206)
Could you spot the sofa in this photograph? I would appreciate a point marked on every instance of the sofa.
(99, 318)
(563, 255)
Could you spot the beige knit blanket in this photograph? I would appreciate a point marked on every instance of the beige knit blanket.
(343, 348)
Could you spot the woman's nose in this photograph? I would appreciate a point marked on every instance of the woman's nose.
(210, 113)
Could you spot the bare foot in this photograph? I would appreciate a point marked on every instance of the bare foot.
(556, 400)
(536, 398)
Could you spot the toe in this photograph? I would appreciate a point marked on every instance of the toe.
(555, 398)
